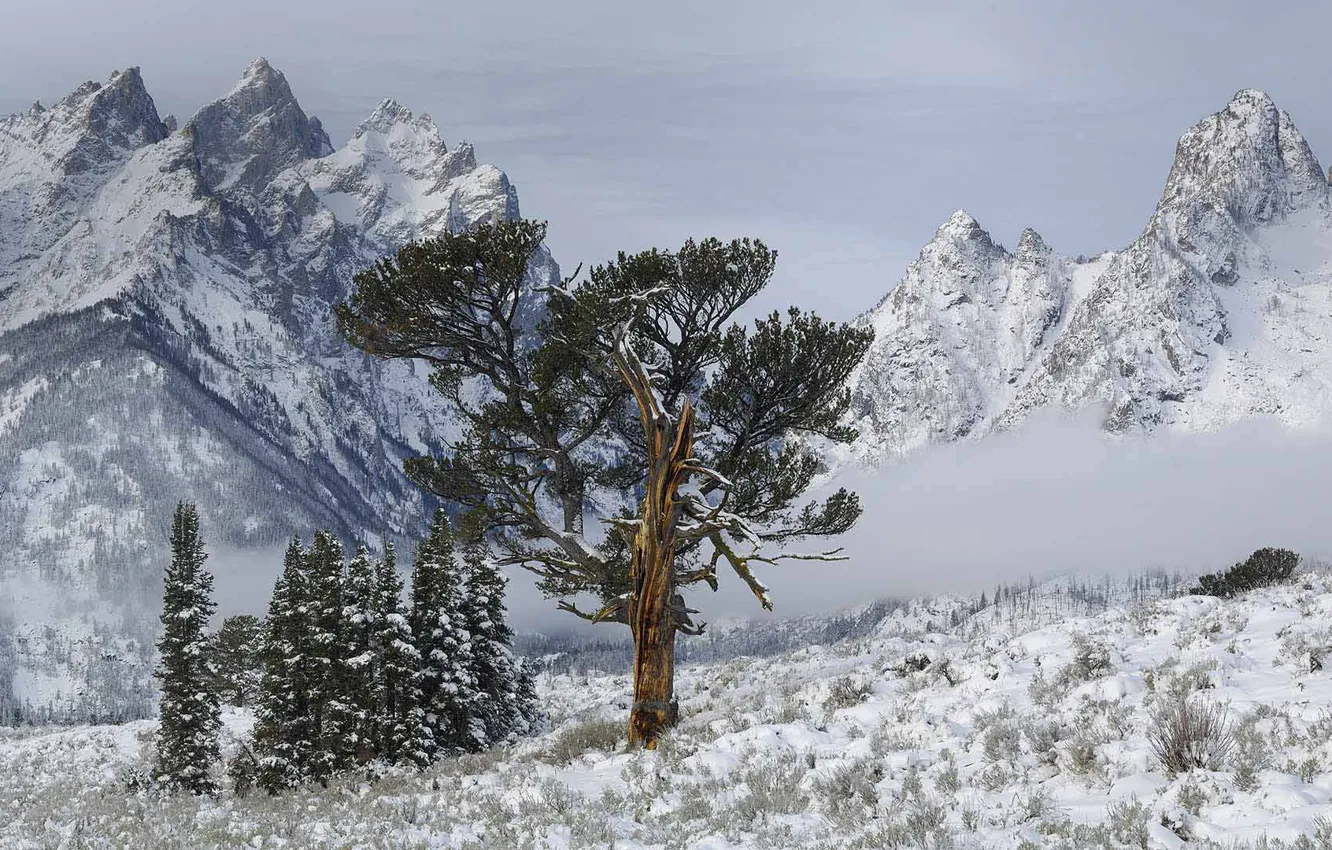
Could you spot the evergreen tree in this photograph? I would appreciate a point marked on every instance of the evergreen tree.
(237, 659)
(333, 715)
(529, 719)
(187, 737)
(1265, 567)
(400, 731)
(497, 715)
(284, 727)
(438, 629)
(636, 388)
(360, 654)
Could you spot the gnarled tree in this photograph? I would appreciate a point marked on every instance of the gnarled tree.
(635, 399)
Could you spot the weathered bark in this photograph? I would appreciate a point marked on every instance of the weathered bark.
(652, 567)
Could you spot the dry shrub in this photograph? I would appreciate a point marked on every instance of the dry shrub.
(1186, 736)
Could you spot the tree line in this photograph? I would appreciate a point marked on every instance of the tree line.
(348, 671)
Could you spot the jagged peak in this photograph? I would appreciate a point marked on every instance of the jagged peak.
(1248, 158)
(1031, 238)
(86, 88)
(462, 158)
(960, 221)
(385, 115)
(1031, 245)
(1247, 100)
(258, 123)
(962, 229)
(389, 114)
(259, 74)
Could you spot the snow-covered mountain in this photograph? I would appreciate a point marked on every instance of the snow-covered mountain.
(165, 334)
(1220, 311)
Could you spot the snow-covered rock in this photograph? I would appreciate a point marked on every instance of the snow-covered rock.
(166, 333)
(1218, 312)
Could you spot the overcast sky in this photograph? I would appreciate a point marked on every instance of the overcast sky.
(843, 134)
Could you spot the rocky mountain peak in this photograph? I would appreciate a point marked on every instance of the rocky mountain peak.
(1031, 247)
(960, 226)
(1248, 159)
(385, 116)
(92, 129)
(255, 131)
(959, 244)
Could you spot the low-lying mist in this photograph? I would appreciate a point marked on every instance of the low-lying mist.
(1055, 496)
(1059, 496)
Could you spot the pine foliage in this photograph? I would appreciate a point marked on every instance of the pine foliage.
(352, 674)
(360, 658)
(283, 734)
(237, 661)
(496, 714)
(1263, 568)
(333, 712)
(187, 744)
(448, 689)
(400, 731)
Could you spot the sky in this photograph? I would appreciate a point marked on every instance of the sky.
(843, 134)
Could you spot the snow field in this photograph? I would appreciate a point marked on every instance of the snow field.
(1025, 733)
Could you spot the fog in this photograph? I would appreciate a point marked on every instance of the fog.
(1056, 496)
(1059, 496)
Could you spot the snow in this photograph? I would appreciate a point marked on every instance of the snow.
(966, 749)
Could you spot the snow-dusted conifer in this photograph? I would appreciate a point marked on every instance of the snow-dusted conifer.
(448, 693)
(529, 719)
(496, 715)
(284, 727)
(360, 655)
(400, 732)
(237, 650)
(333, 714)
(187, 737)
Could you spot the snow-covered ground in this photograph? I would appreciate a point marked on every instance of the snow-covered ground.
(1026, 733)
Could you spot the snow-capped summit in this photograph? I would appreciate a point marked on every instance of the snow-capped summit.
(954, 335)
(166, 334)
(1248, 158)
(255, 131)
(1216, 313)
(398, 179)
(388, 113)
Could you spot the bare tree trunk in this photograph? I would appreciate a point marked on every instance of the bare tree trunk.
(652, 575)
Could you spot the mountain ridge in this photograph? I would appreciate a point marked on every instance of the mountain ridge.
(166, 333)
(975, 339)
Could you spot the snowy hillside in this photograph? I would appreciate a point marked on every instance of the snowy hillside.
(1017, 735)
(165, 334)
(1217, 313)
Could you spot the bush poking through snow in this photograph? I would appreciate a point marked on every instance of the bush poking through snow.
(845, 692)
(1263, 568)
(1127, 822)
(599, 735)
(1252, 751)
(1091, 660)
(1186, 736)
(849, 791)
